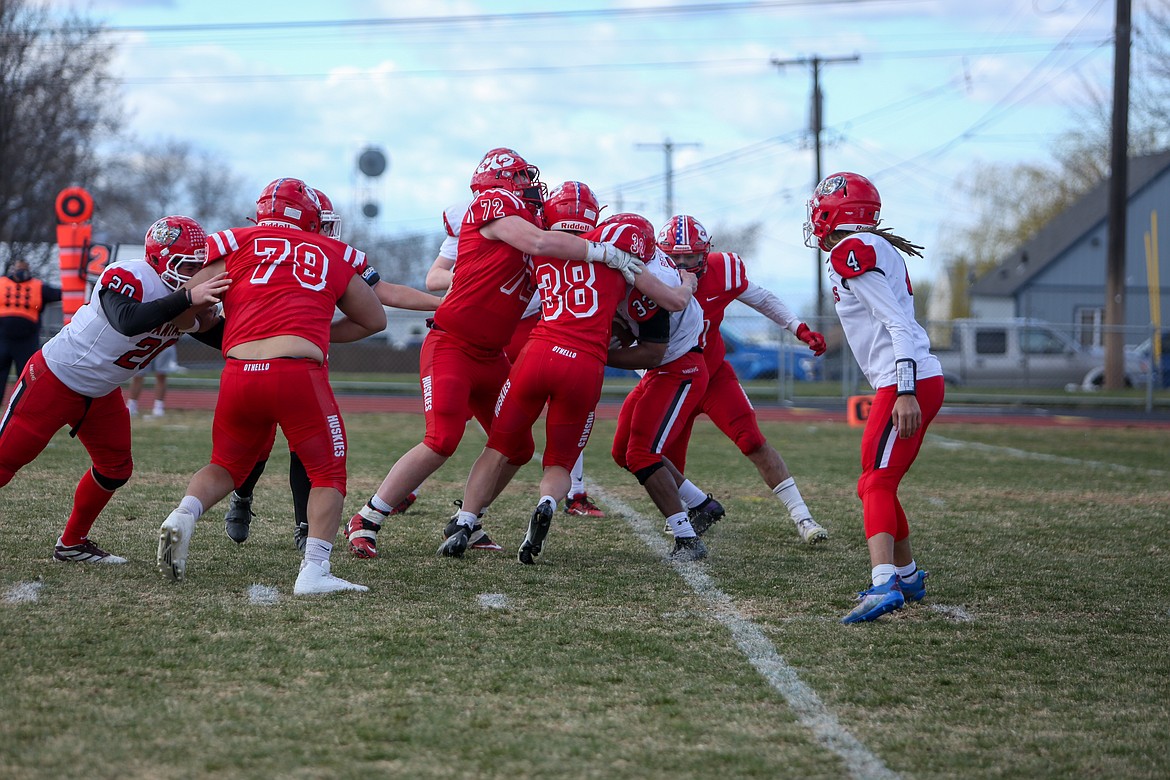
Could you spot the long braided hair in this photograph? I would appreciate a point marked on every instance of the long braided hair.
(905, 246)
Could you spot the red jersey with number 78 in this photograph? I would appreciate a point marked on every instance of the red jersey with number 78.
(285, 282)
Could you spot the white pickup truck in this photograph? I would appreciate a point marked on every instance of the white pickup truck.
(1019, 352)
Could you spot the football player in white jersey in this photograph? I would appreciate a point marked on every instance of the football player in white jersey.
(135, 312)
(654, 414)
(875, 303)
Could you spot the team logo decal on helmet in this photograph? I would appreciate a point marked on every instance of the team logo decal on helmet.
(841, 201)
(505, 169)
(176, 248)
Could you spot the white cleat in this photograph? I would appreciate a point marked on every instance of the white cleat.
(174, 539)
(315, 580)
(811, 531)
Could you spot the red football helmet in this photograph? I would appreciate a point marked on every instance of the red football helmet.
(291, 202)
(176, 247)
(571, 206)
(842, 201)
(686, 241)
(505, 169)
(330, 219)
(629, 232)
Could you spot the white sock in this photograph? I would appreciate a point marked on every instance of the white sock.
(317, 550)
(690, 494)
(907, 573)
(159, 408)
(549, 499)
(192, 505)
(467, 519)
(577, 475)
(380, 505)
(881, 573)
(680, 526)
(787, 492)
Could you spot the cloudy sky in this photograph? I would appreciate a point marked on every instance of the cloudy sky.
(593, 90)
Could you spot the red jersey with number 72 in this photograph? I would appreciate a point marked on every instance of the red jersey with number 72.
(493, 280)
(285, 282)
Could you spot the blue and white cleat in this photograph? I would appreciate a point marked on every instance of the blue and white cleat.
(877, 601)
(917, 590)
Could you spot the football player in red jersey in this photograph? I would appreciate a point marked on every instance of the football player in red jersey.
(723, 279)
(875, 303)
(238, 518)
(561, 365)
(571, 207)
(287, 279)
(134, 313)
(463, 364)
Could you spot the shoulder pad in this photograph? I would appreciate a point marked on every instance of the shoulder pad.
(853, 257)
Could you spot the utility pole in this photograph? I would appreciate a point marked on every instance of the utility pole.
(816, 115)
(668, 146)
(1118, 187)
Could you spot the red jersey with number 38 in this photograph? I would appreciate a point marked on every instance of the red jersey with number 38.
(285, 282)
(578, 301)
(493, 280)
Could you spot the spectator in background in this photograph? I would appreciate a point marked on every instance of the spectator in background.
(165, 364)
(22, 301)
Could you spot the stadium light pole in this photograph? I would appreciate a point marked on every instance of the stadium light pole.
(816, 114)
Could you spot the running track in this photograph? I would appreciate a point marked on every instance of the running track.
(352, 403)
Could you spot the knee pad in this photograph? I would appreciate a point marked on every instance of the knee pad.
(109, 483)
(644, 474)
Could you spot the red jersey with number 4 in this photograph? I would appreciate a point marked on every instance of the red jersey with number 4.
(578, 301)
(724, 280)
(88, 355)
(493, 280)
(285, 282)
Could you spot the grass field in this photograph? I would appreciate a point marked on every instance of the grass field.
(1041, 650)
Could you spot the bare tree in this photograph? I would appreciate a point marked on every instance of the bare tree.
(142, 182)
(57, 100)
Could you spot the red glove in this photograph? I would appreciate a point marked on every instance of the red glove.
(815, 341)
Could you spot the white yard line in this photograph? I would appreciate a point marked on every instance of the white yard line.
(759, 650)
(23, 593)
(263, 595)
(493, 601)
(957, 444)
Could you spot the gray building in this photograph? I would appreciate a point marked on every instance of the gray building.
(1059, 275)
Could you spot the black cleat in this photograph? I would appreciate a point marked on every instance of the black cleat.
(705, 515)
(537, 531)
(457, 538)
(690, 548)
(237, 521)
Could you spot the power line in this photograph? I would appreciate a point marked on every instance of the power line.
(482, 19)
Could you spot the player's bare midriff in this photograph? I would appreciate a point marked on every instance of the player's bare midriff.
(277, 347)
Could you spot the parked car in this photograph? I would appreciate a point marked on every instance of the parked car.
(1143, 353)
(762, 361)
(1021, 352)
